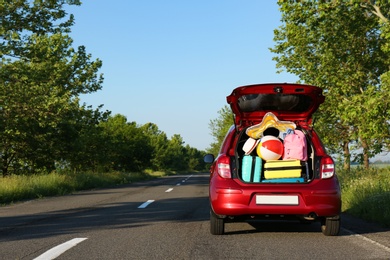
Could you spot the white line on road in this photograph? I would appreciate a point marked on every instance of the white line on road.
(186, 179)
(169, 190)
(145, 204)
(60, 249)
(367, 239)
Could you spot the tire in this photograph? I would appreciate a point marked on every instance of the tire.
(330, 226)
(217, 225)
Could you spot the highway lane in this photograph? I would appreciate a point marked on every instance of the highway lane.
(116, 223)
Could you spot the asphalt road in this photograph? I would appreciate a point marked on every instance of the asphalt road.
(168, 218)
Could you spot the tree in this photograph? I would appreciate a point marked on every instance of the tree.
(126, 146)
(175, 154)
(89, 146)
(195, 158)
(158, 140)
(41, 76)
(338, 46)
(381, 9)
(171, 154)
(219, 127)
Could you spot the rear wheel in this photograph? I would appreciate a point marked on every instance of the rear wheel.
(217, 225)
(330, 226)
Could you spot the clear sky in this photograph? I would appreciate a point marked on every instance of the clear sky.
(173, 62)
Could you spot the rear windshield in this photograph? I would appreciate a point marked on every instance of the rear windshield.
(274, 102)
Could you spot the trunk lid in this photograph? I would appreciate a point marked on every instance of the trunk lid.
(287, 101)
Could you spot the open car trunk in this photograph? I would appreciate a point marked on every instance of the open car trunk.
(295, 171)
(286, 108)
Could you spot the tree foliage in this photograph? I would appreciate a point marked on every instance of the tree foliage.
(381, 9)
(219, 127)
(339, 46)
(41, 78)
(43, 125)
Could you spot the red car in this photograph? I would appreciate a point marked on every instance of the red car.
(308, 192)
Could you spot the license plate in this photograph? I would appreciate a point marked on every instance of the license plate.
(277, 199)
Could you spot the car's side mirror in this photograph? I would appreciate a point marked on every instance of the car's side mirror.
(208, 158)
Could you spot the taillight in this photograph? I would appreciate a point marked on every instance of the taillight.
(327, 168)
(223, 164)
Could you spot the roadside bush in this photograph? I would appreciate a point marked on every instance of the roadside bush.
(20, 187)
(366, 193)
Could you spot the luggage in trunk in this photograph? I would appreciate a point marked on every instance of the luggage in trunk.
(274, 169)
(251, 168)
(285, 180)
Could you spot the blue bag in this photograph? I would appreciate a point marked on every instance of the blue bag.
(251, 168)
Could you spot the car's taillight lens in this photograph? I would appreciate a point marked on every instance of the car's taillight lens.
(224, 167)
(327, 168)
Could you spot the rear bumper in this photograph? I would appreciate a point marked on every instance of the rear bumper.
(321, 197)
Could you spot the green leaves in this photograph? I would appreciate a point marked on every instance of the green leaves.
(219, 127)
(343, 48)
(43, 125)
(41, 78)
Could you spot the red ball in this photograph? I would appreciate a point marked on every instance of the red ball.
(270, 148)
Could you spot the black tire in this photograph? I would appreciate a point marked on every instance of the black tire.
(330, 226)
(217, 225)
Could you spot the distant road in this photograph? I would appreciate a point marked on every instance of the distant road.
(168, 218)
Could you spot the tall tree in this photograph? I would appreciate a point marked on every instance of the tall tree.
(41, 76)
(176, 154)
(89, 146)
(381, 9)
(127, 147)
(337, 45)
(170, 154)
(158, 140)
(219, 127)
(195, 158)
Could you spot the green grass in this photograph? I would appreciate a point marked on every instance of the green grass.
(366, 193)
(18, 188)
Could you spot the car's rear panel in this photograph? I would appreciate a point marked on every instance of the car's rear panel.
(319, 197)
(236, 197)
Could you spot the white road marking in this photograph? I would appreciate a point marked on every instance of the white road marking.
(60, 249)
(367, 239)
(145, 204)
(186, 179)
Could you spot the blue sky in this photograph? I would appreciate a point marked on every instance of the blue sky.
(174, 62)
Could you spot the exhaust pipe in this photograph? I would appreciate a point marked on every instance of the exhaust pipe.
(311, 216)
